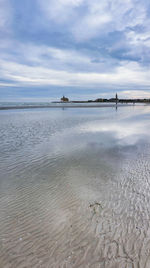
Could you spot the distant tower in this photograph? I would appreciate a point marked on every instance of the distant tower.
(116, 98)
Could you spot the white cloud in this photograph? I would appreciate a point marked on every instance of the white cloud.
(60, 11)
(27, 64)
(56, 58)
(138, 39)
(36, 54)
(128, 75)
(138, 94)
(89, 26)
(86, 19)
(5, 15)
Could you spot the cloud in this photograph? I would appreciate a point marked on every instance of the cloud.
(40, 72)
(88, 19)
(55, 58)
(138, 94)
(5, 16)
(60, 11)
(76, 43)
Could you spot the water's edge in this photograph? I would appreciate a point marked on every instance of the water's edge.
(67, 106)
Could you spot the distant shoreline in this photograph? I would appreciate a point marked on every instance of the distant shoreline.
(66, 106)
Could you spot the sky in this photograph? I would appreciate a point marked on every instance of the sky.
(83, 49)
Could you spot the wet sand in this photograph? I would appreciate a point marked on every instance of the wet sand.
(74, 189)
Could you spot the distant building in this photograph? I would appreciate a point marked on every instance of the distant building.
(99, 100)
(64, 99)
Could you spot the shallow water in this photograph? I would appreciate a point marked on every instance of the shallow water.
(74, 188)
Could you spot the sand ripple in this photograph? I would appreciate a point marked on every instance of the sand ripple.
(84, 207)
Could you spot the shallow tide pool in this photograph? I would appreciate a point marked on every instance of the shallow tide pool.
(75, 188)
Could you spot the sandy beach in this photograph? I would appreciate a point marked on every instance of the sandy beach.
(74, 188)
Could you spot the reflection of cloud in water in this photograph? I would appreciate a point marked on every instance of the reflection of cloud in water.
(125, 132)
(126, 129)
(56, 167)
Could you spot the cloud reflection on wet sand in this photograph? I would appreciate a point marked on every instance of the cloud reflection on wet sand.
(75, 188)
